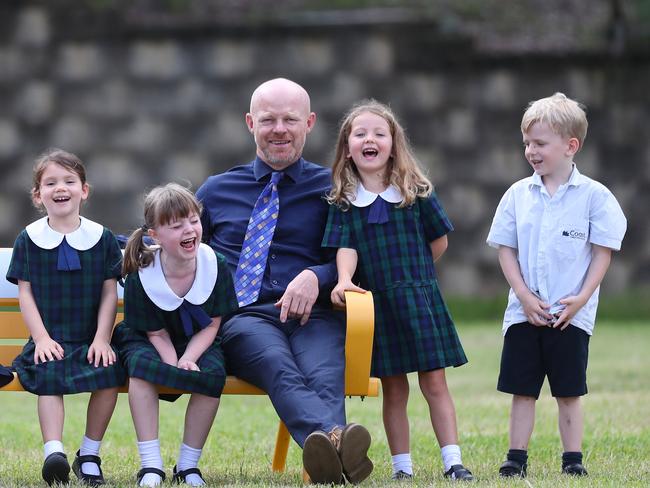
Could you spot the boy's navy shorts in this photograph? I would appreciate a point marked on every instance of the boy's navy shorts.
(530, 353)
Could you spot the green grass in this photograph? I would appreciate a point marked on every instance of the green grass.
(240, 447)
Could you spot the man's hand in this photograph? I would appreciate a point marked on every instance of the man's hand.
(299, 297)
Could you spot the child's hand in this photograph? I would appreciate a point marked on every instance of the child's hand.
(187, 364)
(572, 305)
(101, 352)
(338, 293)
(536, 309)
(47, 349)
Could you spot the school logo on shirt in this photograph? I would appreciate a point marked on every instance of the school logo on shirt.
(575, 234)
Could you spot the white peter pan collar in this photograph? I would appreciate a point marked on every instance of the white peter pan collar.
(365, 197)
(157, 289)
(83, 238)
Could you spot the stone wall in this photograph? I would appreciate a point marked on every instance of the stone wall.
(143, 106)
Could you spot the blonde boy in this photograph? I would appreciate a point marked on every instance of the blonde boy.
(554, 232)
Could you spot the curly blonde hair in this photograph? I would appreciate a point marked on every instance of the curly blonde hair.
(403, 172)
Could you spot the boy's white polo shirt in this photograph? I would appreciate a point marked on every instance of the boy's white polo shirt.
(553, 237)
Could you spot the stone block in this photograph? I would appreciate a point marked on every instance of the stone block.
(458, 278)
(142, 135)
(502, 165)
(587, 87)
(32, 27)
(422, 92)
(80, 62)
(163, 60)
(466, 205)
(497, 90)
(460, 127)
(117, 172)
(10, 140)
(186, 167)
(310, 57)
(74, 134)
(13, 64)
(376, 57)
(35, 102)
(10, 209)
(227, 59)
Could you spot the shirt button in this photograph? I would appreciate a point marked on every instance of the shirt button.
(275, 282)
(272, 256)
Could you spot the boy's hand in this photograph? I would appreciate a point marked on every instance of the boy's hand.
(101, 352)
(187, 364)
(338, 293)
(572, 305)
(536, 309)
(47, 349)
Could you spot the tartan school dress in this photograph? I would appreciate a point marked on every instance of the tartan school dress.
(413, 328)
(150, 305)
(68, 302)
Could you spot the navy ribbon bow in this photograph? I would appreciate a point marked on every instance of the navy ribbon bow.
(190, 312)
(378, 211)
(68, 259)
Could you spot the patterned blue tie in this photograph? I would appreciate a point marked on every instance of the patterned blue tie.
(255, 249)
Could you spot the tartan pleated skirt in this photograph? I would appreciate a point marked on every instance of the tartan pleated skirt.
(72, 374)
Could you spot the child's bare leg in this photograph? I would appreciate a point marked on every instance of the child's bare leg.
(143, 401)
(50, 415)
(199, 418)
(100, 410)
(395, 393)
(522, 421)
(570, 420)
(441, 406)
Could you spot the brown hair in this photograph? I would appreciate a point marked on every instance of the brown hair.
(66, 160)
(162, 205)
(403, 172)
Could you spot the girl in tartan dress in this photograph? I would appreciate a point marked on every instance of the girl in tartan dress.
(175, 294)
(66, 268)
(390, 228)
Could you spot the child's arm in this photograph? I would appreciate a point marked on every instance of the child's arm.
(198, 345)
(100, 351)
(163, 344)
(536, 310)
(46, 349)
(438, 247)
(346, 264)
(600, 259)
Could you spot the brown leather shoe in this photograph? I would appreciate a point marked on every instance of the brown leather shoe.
(352, 443)
(321, 459)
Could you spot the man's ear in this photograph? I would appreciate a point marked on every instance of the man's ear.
(249, 122)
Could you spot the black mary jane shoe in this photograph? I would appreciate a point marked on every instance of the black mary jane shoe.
(511, 468)
(144, 471)
(88, 479)
(56, 469)
(574, 469)
(460, 473)
(179, 476)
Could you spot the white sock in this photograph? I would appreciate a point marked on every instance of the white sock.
(450, 456)
(89, 447)
(150, 458)
(402, 462)
(52, 446)
(188, 457)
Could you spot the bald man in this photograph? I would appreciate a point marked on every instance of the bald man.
(285, 338)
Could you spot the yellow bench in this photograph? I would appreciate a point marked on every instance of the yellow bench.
(358, 350)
